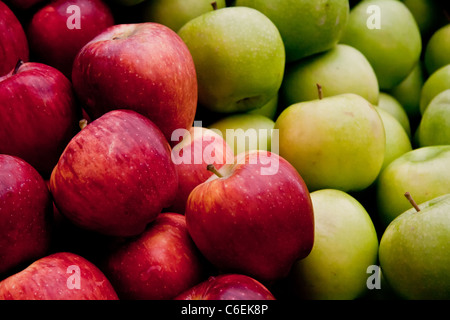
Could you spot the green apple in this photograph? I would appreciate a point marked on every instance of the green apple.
(407, 92)
(307, 27)
(437, 82)
(345, 245)
(424, 172)
(386, 32)
(388, 103)
(175, 13)
(437, 51)
(414, 251)
(428, 14)
(397, 140)
(245, 132)
(239, 57)
(342, 69)
(268, 110)
(434, 128)
(336, 142)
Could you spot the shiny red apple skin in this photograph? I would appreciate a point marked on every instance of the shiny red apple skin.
(38, 115)
(250, 223)
(145, 67)
(158, 265)
(116, 175)
(227, 287)
(49, 278)
(25, 4)
(25, 213)
(191, 156)
(14, 43)
(52, 42)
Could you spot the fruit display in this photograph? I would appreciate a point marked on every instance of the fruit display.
(252, 150)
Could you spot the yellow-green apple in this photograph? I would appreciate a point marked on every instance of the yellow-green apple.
(397, 140)
(253, 217)
(116, 175)
(307, 27)
(336, 142)
(198, 148)
(38, 114)
(390, 104)
(58, 30)
(13, 39)
(239, 57)
(414, 251)
(434, 127)
(245, 131)
(437, 51)
(159, 264)
(176, 13)
(437, 82)
(429, 15)
(25, 213)
(269, 110)
(145, 67)
(423, 172)
(345, 245)
(407, 93)
(387, 34)
(59, 276)
(342, 69)
(228, 287)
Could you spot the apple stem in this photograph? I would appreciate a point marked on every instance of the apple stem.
(411, 200)
(214, 5)
(18, 64)
(319, 90)
(210, 167)
(82, 123)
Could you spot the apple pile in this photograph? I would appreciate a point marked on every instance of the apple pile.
(224, 150)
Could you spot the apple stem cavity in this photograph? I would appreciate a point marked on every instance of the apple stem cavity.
(214, 5)
(319, 91)
(82, 123)
(19, 63)
(411, 200)
(210, 167)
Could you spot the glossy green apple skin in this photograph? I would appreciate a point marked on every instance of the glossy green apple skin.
(388, 103)
(437, 51)
(345, 244)
(407, 92)
(427, 13)
(423, 172)
(175, 13)
(437, 82)
(414, 251)
(434, 128)
(337, 142)
(393, 49)
(268, 110)
(397, 140)
(307, 27)
(244, 121)
(342, 69)
(239, 57)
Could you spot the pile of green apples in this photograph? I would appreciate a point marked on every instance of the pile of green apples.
(358, 95)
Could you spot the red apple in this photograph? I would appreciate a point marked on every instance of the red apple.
(116, 175)
(38, 114)
(228, 287)
(256, 219)
(25, 213)
(24, 4)
(158, 265)
(59, 276)
(145, 67)
(14, 43)
(198, 148)
(58, 30)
